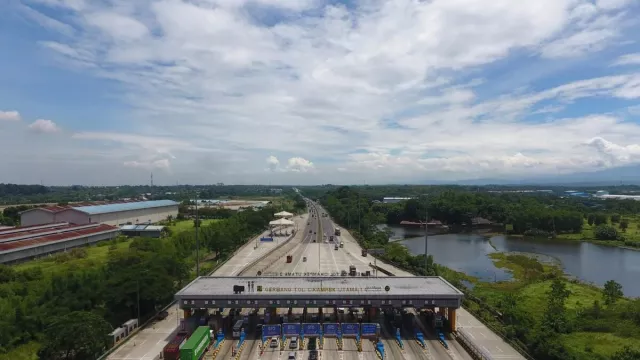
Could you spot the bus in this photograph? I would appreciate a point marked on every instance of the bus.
(237, 328)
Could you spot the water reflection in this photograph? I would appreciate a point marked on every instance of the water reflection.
(469, 253)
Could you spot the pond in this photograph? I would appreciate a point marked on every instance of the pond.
(469, 253)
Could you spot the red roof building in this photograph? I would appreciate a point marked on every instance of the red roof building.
(27, 242)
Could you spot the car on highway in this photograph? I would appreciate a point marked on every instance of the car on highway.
(313, 355)
(292, 356)
(274, 342)
(294, 343)
(304, 259)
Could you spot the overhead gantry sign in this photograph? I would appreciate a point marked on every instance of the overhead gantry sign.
(265, 292)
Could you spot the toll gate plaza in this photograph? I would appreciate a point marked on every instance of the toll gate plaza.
(368, 293)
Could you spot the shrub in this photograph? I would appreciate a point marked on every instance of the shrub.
(606, 232)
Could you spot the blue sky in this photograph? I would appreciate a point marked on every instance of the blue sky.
(316, 91)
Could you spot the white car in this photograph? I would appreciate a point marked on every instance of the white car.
(274, 342)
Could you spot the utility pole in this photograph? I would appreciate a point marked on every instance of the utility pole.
(197, 241)
(426, 235)
(138, 298)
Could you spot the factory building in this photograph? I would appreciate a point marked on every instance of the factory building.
(393, 200)
(123, 213)
(24, 243)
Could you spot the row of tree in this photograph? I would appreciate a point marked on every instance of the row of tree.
(349, 206)
(36, 194)
(35, 305)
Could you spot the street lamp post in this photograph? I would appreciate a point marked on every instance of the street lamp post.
(138, 298)
(197, 240)
(426, 236)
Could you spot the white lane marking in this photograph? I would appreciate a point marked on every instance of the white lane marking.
(334, 261)
(304, 252)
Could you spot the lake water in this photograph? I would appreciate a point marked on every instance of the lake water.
(469, 253)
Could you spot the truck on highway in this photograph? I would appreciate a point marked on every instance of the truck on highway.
(364, 252)
(171, 351)
(197, 344)
(336, 247)
(337, 231)
(341, 244)
(352, 270)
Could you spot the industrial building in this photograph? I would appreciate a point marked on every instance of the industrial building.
(134, 212)
(144, 230)
(24, 243)
(393, 200)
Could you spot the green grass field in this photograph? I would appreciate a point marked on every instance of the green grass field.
(586, 343)
(27, 351)
(179, 226)
(96, 255)
(532, 297)
(632, 233)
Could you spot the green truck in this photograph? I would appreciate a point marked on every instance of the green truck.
(195, 347)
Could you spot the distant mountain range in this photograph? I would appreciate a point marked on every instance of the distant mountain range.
(629, 175)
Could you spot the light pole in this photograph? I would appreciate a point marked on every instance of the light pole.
(138, 298)
(138, 293)
(426, 235)
(197, 241)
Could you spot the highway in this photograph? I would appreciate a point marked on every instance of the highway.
(321, 258)
(351, 253)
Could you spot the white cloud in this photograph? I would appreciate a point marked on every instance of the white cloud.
(44, 126)
(163, 164)
(294, 164)
(387, 89)
(9, 116)
(273, 163)
(298, 164)
(628, 59)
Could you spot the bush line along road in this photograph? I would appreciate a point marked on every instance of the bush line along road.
(321, 257)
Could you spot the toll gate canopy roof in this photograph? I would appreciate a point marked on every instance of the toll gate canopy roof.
(247, 292)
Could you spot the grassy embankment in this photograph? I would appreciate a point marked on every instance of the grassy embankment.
(610, 332)
(631, 234)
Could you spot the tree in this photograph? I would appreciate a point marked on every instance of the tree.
(600, 219)
(624, 224)
(612, 292)
(615, 218)
(590, 219)
(78, 335)
(605, 232)
(555, 317)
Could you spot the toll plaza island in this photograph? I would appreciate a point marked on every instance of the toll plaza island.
(374, 305)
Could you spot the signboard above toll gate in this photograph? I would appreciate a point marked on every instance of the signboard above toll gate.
(311, 329)
(349, 329)
(369, 329)
(271, 330)
(280, 292)
(290, 329)
(331, 329)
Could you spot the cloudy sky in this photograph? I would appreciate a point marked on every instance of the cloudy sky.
(316, 91)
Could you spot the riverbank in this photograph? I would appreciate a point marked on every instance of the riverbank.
(581, 237)
(597, 330)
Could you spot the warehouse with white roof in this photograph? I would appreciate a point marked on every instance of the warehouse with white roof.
(123, 213)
